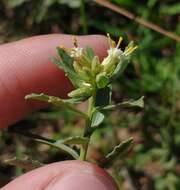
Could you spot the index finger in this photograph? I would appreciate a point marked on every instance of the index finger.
(25, 67)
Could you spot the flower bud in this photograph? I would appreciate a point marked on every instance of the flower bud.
(79, 70)
(82, 93)
(95, 66)
(102, 80)
(110, 66)
(87, 71)
(76, 52)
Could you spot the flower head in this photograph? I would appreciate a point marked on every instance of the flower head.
(76, 51)
(115, 55)
(86, 71)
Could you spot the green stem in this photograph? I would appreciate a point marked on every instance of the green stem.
(83, 152)
(84, 148)
(83, 17)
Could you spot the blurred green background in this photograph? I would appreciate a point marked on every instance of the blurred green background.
(154, 72)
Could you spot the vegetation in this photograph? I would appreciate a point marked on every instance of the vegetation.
(154, 73)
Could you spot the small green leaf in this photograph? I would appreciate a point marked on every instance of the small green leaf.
(49, 142)
(66, 63)
(135, 103)
(55, 101)
(74, 140)
(127, 104)
(90, 53)
(60, 146)
(74, 78)
(103, 97)
(65, 58)
(118, 151)
(96, 119)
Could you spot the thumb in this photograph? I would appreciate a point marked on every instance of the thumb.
(67, 175)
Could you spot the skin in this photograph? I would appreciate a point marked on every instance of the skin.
(25, 67)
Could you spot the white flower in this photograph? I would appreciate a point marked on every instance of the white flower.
(115, 52)
(115, 55)
(76, 52)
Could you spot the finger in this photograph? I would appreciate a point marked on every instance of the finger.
(67, 175)
(25, 67)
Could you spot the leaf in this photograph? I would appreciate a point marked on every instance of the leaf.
(103, 96)
(76, 81)
(55, 101)
(138, 103)
(68, 60)
(49, 142)
(74, 140)
(60, 146)
(127, 104)
(66, 63)
(96, 119)
(118, 151)
(90, 53)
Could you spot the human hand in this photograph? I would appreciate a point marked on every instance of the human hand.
(24, 68)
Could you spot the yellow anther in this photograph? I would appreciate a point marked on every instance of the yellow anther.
(113, 43)
(131, 49)
(109, 39)
(119, 41)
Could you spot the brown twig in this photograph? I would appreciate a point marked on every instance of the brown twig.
(139, 20)
(26, 163)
